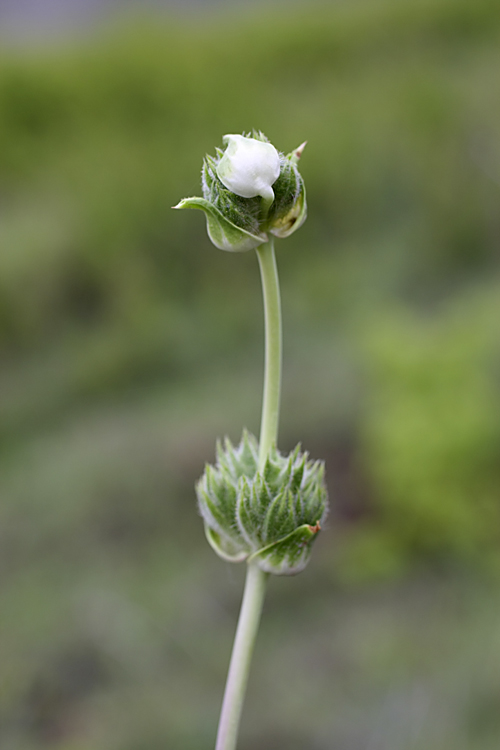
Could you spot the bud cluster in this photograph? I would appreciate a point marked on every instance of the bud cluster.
(270, 517)
(250, 190)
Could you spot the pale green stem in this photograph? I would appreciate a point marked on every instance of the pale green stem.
(272, 378)
(255, 585)
(239, 668)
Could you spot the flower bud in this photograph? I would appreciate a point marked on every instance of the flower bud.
(250, 190)
(270, 517)
(249, 167)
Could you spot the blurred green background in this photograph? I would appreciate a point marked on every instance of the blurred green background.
(128, 343)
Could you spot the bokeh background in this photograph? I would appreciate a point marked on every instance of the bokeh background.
(128, 343)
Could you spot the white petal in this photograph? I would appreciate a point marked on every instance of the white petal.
(249, 167)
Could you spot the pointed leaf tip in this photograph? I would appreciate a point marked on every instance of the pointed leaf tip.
(182, 203)
(299, 150)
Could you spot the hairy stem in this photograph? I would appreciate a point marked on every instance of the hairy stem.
(272, 377)
(239, 668)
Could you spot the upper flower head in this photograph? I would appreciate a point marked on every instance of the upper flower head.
(249, 167)
(249, 191)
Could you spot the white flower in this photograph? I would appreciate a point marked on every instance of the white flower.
(249, 167)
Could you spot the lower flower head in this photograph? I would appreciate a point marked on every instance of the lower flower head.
(270, 516)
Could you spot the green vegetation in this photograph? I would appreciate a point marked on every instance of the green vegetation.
(127, 341)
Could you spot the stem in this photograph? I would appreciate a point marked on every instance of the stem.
(255, 585)
(272, 378)
(239, 668)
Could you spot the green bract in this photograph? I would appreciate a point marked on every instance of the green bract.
(238, 223)
(270, 517)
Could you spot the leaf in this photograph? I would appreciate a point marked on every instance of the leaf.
(225, 547)
(286, 222)
(224, 234)
(289, 555)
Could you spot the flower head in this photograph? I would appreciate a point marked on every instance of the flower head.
(250, 190)
(270, 517)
